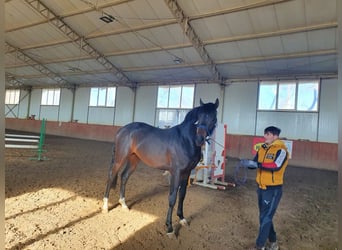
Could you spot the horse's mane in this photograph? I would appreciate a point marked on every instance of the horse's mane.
(191, 116)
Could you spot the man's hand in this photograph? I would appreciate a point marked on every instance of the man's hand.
(249, 164)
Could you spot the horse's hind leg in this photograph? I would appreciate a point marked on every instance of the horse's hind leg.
(133, 161)
(111, 181)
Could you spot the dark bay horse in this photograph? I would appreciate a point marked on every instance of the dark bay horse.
(176, 149)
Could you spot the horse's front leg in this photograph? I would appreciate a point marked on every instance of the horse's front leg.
(172, 201)
(182, 193)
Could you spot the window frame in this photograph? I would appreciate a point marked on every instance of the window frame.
(12, 96)
(50, 97)
(178, 110)
(295, 99)
(102, 97)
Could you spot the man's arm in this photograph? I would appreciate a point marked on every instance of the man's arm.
(278, 162)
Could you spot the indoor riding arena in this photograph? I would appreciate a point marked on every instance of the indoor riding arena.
(175, 97)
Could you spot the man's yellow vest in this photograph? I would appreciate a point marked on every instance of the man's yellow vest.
(267, 154)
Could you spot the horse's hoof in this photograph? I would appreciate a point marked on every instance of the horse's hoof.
(183, 222)
(105, 205)
(123, 204)
(125, 207)
(171, 235)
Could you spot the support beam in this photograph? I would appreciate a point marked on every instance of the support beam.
(239, 60)
(193, 37)
(74, 13)
(12, 80)
(294, 30)
(157, 24)
(80, 41)
(37, 65)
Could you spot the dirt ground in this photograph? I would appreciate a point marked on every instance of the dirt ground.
(56, 204)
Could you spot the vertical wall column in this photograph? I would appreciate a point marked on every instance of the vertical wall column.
(73, 90)
(2, 124)
(29, 102)
(339, 113)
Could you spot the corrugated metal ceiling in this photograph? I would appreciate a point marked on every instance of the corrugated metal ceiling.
(65, 43)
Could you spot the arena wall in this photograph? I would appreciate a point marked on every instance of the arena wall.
(305, 153)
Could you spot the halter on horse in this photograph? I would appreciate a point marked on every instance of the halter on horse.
(176, 149)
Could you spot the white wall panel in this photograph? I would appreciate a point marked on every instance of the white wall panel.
(328, 118)
(101, 115)
(207, 92)
(145, 107)
(65, 105)
(294, 125)
(241, 115)
(49, 113)
(124, 106)
(23, 105)
(239, 111)
(81, 104)
(36, 96)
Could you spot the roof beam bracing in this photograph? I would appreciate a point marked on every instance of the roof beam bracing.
(36, 65)
(191, 34)
(239, 8)
(186, 45)
(12, 80)
(157, 24)
(80, 41)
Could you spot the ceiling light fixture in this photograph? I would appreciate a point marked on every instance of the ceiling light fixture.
(178, 60)
(74, 69)
(107, 18)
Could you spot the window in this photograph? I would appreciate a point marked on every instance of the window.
(307, 96)
(267, 96)
(12, 96)
(286, 95)
(50, 97)
(173, 104)
(104, 96)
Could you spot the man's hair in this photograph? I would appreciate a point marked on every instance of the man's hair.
(273, 130)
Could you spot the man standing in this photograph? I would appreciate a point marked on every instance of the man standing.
(272, 160)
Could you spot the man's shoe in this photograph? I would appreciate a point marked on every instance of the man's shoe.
(273, 246)
(257, 248)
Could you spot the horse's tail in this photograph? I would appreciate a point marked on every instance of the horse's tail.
(113, 155)
(110, 172)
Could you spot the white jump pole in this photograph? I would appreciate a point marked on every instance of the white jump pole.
(20, 146)
(23, 139)
(36, 142)
(22, 136)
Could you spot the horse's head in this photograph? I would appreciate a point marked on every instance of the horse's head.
(206, 121)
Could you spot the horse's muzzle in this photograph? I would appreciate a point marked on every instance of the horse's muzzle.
(201, 134)
(200, 139)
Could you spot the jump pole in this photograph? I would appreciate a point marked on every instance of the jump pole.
(37, 142)
(21, 138)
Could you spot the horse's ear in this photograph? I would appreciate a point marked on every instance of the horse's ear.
(201, 103)
(217, 102)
